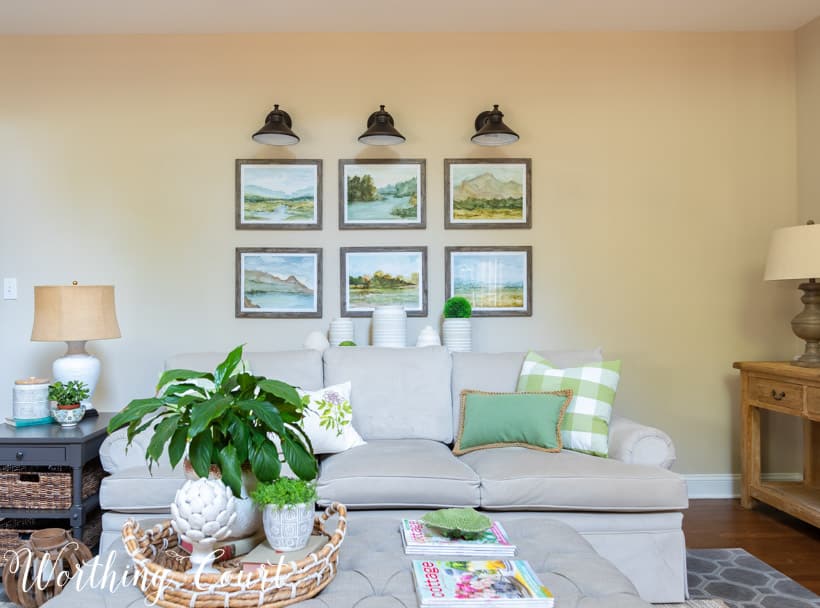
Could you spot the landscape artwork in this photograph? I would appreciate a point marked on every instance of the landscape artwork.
(496, 280)
(381, 194)
(489, 193)
(278, 194)
(373, 277)
(278, 282)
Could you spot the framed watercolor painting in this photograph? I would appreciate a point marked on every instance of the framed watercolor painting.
(377, 276)
(496, 280)
(279, 194)
(382, 193)
(488, 193)
(278, 283)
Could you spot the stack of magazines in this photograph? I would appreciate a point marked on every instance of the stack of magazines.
(419, 539)
(453, 584)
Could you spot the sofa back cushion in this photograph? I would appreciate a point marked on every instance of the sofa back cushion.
(498, 372)
(301, 368)
(397, 393)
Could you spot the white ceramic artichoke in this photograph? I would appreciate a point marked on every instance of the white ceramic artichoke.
(203, 511)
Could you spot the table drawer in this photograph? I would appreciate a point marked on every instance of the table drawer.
(25, 454)
(813, 401)
(772, 392)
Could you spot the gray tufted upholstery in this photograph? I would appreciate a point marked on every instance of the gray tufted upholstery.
(374, 572)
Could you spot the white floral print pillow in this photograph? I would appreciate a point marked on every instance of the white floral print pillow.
(328, 419)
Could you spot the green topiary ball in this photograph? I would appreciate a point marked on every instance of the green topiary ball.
(457, 308)
(347, 343)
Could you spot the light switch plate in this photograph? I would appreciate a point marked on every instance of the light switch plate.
(9, 289)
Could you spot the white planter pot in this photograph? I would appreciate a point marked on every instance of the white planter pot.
(457, 335)
(390, 326)
(248, 517)
(289, 528)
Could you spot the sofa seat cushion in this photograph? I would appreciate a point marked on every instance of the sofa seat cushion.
(521, 479)
(394, 473)
(135, 490)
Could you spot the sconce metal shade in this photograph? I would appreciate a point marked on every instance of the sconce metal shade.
(491, 130)
(276, 131)
(380, 130)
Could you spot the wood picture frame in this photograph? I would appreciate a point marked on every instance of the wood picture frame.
(278, 282)
(378, 194)
(278, 194)
(402, 273)
(482, 193)
(497, 280)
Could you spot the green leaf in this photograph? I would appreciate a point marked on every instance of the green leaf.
(135, 410)
(265, 461)
(200, 452)
(231, 469)
(300, 432)
(282, 391)
(302, 462)
(180, 375)
(239, 434)
(184, 387)
(204, 413)
(227, 367)
(162, 433)
(176, 449)
(266, 413)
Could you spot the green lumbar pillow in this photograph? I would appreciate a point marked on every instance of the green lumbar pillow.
(467, 523)
(495, 420)
(585, 427)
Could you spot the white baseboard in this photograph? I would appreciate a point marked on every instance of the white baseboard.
(727, 486)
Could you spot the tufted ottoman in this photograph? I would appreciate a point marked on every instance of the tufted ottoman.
(374, 571)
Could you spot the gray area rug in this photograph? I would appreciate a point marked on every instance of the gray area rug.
(743, 581)
(717, 578)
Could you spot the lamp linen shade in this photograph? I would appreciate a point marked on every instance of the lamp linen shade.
(794, 253)
(74, 313)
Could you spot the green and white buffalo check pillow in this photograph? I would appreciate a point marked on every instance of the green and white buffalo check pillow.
(586, 423)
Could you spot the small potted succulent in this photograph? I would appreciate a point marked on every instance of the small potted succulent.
(287, 512)
(66, 400)
(456, 330)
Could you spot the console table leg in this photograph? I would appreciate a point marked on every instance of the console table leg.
(750, 453)
(811, 453)
(77, 515)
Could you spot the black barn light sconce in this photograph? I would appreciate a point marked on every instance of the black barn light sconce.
(276, 131)
(491, 130)
(380, 130)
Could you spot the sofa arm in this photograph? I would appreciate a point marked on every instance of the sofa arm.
(115, 458)
(636, 443)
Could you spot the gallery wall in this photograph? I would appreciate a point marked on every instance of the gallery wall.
(661, 164)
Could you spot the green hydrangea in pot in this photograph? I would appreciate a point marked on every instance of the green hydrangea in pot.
(288, 510)
(222, 420)
(456, 331)
(66, 402)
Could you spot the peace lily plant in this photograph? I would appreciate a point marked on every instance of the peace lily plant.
(223, 418)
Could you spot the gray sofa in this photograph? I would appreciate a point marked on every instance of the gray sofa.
(405, 406)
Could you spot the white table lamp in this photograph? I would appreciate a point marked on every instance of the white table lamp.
(794, 254)
(75, 314)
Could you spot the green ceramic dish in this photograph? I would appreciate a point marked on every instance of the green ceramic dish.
(468, 524)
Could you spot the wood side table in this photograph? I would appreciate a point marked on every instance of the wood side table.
(795, 391)
(52, 445)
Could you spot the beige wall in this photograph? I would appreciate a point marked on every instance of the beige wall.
(661, 164)
(808, 120)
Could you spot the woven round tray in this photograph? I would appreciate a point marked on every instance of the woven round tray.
(160, 571)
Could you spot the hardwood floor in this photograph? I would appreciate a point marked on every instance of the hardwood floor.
(785, 543)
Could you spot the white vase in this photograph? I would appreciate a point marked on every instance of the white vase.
(428, 337)
(248, 515)
(288, 528)
(341, 330)
(457, 335)
(390, 326)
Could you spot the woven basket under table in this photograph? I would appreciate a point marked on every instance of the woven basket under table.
(160, 573)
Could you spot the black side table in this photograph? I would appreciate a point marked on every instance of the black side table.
(52, 445)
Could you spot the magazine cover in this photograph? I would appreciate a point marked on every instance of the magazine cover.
(417, 534)
(462, 582)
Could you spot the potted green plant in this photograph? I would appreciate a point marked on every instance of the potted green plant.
(287, 512)
(66, 402)
(222, 419)
(68, 396)
(456, 331)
